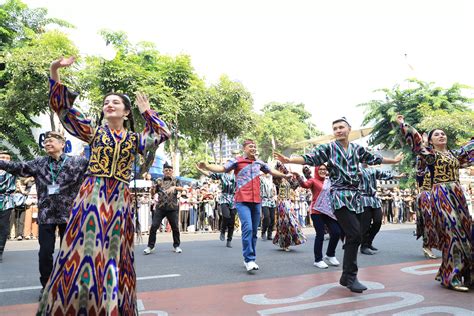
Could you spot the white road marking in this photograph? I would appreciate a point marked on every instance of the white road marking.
(416, 269)
(28, 288)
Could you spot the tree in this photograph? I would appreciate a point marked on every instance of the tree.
(281, 125)
(228, 112)
(25, 53)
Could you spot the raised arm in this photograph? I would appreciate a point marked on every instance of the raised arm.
(202, 171)
(156, 131)
(308, 184)
(465, 154)
(61, 101)
(317, 157)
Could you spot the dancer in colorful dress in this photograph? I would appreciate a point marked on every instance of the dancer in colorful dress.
(322, 215)
(288, 229)
(94, 272)
(226, 202)
(247, 196)
(448, 203)
(424, 217)
(343, 158)
(268, 193)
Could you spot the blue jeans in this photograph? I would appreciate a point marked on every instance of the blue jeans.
(249, 214)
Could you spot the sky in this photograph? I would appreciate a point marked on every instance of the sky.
(329, 55)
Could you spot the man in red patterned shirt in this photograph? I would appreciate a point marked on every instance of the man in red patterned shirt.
(247, 170)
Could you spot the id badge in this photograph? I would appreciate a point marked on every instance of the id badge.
(53, 189)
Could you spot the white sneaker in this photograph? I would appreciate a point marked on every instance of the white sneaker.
(148, 250)
(321, 264)
(331, 260)
(251, 265)
(178, 250)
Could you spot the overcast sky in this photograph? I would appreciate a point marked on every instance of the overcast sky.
(329, 55)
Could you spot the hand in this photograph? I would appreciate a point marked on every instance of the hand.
(62, 62)
(142, 102)
(399, 157)
(201, 165)
(424, 138)
(400, 119)
(288, 176)
(281, 158)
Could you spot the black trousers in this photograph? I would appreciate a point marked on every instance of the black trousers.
(18, 219)
(268, 221)
(370, 223)
(158, 215)
(47, 240)
(4, 228)
(228, 220)
(349, 222)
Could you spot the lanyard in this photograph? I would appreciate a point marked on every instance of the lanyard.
(54, 176)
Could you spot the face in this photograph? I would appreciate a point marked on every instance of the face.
(168, 172)
(5, 157)
(53, 145)
(250, 150)
(114, 107)
(341, 130)
(322, 171)
(439, 138)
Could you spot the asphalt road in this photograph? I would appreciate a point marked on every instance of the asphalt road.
(206, 262)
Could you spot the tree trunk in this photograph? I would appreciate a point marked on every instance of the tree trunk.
(213, 152)
(220, 149)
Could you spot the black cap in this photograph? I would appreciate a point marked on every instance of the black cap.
(167, 165)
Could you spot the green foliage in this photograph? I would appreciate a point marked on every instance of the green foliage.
(228, 111)
(283, 124)
(25, 53)
(192, 152)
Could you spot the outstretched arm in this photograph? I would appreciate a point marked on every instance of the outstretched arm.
(282, 158)
(202, 171)
(211, 167)
(61, 101)
(395, 160)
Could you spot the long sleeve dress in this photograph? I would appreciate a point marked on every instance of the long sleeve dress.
(94, 272)
(449, 207)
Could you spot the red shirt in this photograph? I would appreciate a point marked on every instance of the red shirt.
(316, 186)
(247, 176)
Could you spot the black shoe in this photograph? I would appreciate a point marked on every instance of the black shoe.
(222, 236)
(343, 246)
(357, 287)
(229, 244)
(269, 237)
(373, 248)
(366, 251)
(343, 280)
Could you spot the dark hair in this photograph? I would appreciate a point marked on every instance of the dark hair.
(4, 152)
(128, 106)
(342, 119)
(430, 134)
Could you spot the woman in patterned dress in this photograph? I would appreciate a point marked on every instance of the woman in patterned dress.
(94, 272)
(448, 203)
(288, 229)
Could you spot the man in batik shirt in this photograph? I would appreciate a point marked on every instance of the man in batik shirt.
(58, 178)
(343, 159)
(247, 196)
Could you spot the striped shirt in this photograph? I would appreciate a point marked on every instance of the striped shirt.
(368, 185)
(227, 187)
(343, 169)
(7, 188)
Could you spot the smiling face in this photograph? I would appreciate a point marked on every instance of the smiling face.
(322, 171)
(114, 107)
(341, 130)
(250, 150)
(438, 138)
(168, 172)
(53, 146)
